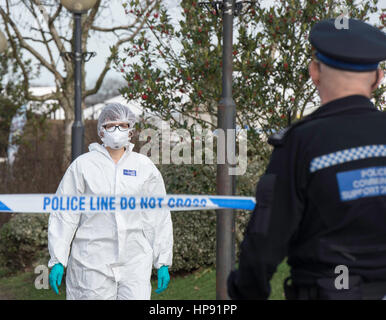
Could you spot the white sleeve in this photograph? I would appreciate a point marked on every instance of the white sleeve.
(62, 225)
(158, 223)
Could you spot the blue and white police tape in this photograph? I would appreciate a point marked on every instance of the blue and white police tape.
(46, 203)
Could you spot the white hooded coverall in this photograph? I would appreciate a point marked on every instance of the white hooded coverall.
(111, 253)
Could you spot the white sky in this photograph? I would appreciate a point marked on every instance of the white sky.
(100, 44)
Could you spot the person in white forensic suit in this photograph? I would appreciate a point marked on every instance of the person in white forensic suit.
(109, 255)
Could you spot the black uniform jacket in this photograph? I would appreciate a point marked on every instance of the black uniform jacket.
(321, 201)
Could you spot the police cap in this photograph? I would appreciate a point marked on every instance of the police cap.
(353, 45)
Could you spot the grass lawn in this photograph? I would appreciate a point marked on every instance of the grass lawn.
(199, 285)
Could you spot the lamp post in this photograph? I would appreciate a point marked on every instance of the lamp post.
(226, 115)
(77, 7)
(3, 42)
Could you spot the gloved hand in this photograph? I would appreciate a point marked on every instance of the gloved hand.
(56, 276)
(163, 279)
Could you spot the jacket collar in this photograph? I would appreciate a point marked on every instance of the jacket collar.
(349, 102)
(329, 109)
(100, 148)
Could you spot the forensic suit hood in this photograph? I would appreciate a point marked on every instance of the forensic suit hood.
(111, 253)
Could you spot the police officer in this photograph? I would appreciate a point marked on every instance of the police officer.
(322, 199)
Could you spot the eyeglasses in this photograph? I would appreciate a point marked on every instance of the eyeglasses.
(121, 127)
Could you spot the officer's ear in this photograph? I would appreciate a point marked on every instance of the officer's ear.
(314, 71)
(379, 77)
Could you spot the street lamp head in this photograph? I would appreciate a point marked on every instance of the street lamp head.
(78, 6)
(3, 42)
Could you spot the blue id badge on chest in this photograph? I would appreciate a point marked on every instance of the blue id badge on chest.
(127, 172)
(362, 183)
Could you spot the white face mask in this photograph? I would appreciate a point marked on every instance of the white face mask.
(115, 140)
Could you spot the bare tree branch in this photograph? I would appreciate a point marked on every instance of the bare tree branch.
(18, 61)
(29, 96)
(135, 27)
(90, 20)
(56, 14)
(32, 9)
(53, 31)
(99, 81)
(25, 45)
(112, 29)
(41, 41)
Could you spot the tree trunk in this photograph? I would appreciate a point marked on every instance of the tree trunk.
(69, 120)
(68, 106)
(66, 160)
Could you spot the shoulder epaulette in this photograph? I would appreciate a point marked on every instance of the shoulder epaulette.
(277, 138)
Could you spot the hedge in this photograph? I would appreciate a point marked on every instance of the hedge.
(23, 241)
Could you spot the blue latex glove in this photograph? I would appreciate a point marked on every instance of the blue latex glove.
(163, 279)
(56, 276)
